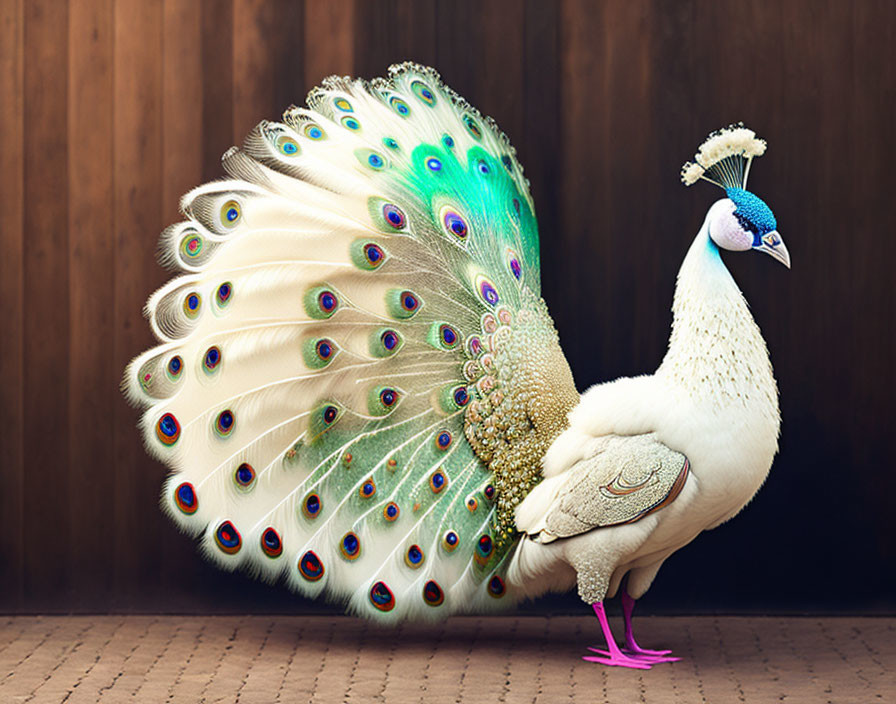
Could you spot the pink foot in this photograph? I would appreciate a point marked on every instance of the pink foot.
(632, 649)
(618, 661)
(649, 656)
(613, 655)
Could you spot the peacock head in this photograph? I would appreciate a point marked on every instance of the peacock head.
(742, 220)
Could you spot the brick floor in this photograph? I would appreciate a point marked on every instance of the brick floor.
(263, 659)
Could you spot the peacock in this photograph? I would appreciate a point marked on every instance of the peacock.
(361, 393)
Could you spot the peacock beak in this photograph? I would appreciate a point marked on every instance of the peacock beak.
(771, 243)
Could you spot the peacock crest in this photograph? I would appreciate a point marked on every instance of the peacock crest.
(724, 158)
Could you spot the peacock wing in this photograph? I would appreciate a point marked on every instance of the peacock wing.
(627, 478)
(356, 377)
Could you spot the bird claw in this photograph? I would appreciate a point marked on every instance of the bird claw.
(652, 657)
(617, 660)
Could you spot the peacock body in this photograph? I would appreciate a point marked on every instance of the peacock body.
(357, 379)
(360, 391)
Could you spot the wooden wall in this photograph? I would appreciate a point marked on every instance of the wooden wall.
(109, 111)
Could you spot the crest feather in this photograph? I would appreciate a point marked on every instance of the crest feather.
(724, 158)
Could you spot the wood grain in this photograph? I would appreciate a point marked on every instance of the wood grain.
(110, 110)
(91, 290)
(47, 544)
(137, 208)
(12, 300)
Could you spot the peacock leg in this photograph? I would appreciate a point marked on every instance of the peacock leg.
(613, 655)
(631, 645)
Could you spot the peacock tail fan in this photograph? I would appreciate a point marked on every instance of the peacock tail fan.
(357, 379)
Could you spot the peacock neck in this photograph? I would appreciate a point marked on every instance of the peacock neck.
(716, 352)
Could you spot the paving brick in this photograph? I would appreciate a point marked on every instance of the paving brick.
(266, 659)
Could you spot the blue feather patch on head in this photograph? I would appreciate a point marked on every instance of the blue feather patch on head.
(752, 211)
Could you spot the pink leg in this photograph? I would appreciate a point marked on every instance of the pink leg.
(613, 655)
(631, 645)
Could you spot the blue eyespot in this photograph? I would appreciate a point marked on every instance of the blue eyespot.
(230, 212)
(244, 475)
(454, 224)
(287, 145)
(448, 335)
(433, 164)
(381, 597)
(433, 594)
(472, 127)
(414, 556)
(310, 566)
(175, 364)
(399, 106)
(409, 301)
(423, 91)
(376, 161)
(327, 301)
(222, 297)
(437, 481)
(212, 358)
(191, 305)
(443, 440)
(228, 539)
(168, 429)
(185, 498)
(448, 141)
(483, 167)
(391, 511)
(350, 546)
(391, 143)
(224, 423)
(394, 216)
(367, 489)
(389, 340)
(311, 506)
(487, 291)
(314, 132)
(374, 254)
(271, 544)
(450, 541)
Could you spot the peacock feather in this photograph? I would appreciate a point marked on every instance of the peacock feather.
(356, 378)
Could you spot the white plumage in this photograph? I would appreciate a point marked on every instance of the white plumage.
(360, 391)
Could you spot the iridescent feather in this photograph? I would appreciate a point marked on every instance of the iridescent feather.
(356, 379)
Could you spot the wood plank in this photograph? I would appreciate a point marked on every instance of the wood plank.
(410, 26)
(217, 84)
(182, 101)
(12, 356)
(47, 545)
(137, 219)
(330, 27)
(268, 74)
(93, 374)
(487, 66)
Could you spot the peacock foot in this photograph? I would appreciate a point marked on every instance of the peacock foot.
(619, 659)
(652, 657)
